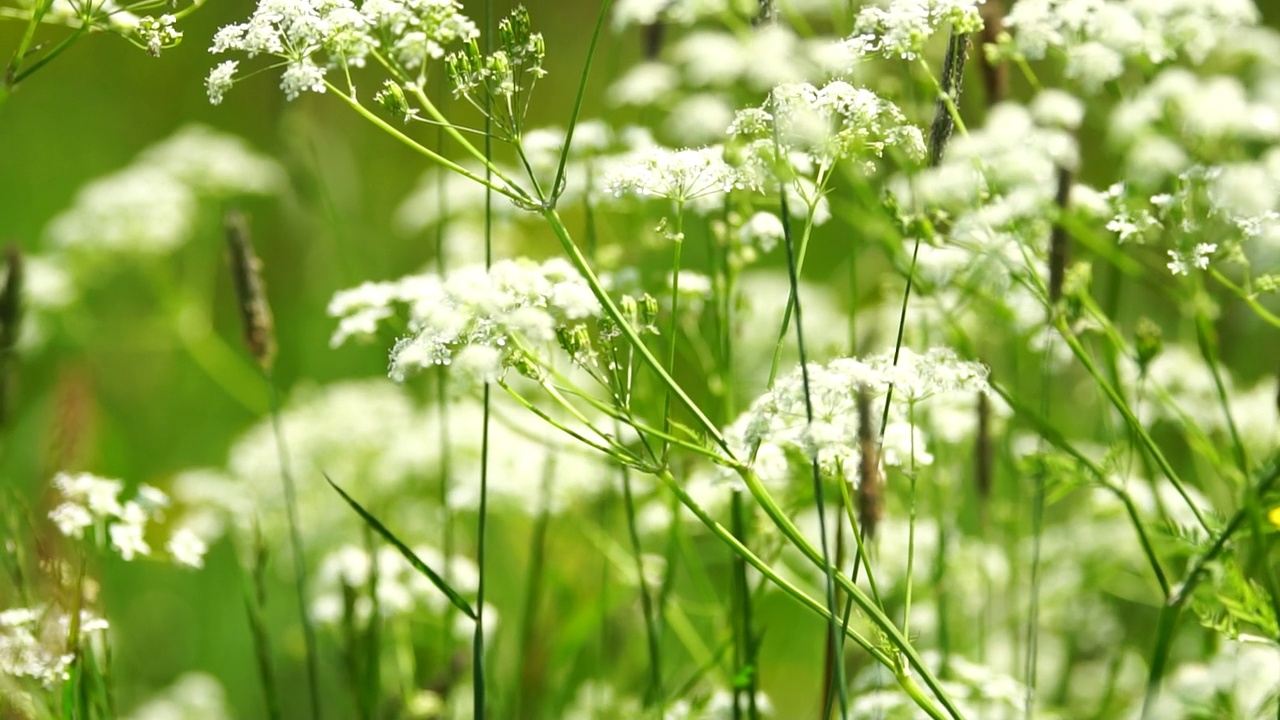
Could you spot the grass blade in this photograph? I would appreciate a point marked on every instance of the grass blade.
(455, 598)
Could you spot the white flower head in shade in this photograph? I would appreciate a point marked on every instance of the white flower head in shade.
(901, 29)
(214, 164)
(150, 207)
(1098, 38)
(762, 231)
(137, 210)
(824, 125)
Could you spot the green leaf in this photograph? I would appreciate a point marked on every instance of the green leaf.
(457, 600)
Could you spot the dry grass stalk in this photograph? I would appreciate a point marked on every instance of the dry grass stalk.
(870, 484)
(246, 271)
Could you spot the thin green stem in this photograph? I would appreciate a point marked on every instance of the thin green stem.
(296, 550)
(646, 601)
(1119, 403)
(577, 100)
(531, 662)
(1205, 341)
(891, 634)
(1248, 298)
(633, 337)
(746, 675)
(674, 328)
(791, 299)
(452, 131)
(835, 673)
(477, 643)
(512, 192)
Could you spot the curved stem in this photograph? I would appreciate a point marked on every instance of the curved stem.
(512, 192)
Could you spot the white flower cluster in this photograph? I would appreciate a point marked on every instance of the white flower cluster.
(314, 36)
(473, 318)
(150, 206)
(775, 427)
(678, 175)
(158, 33)
(1181, 118)
(997, 187)
(401, 590)
(819, 126)
(89, 501)
(1233, 204)
(1099, 36)
(682, 12)
(901, 29)
(33, 643)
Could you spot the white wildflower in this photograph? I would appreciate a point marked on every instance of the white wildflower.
(762, 231)
(151, 206)
(98, 495)
(127, 535)
(1057, 108)
(71, 519)
(677, 175)
(699, 118)
(711, 58)
(33, 643)
(643, 85)
(1182, 263)
(1093, 64)
(1099, 37)
(187, 548)
(837, 121)
(401, 590)
(778, 418)
(220, 80)
(302, 76)
(901, 29)
(140, 210)
(469, 306)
